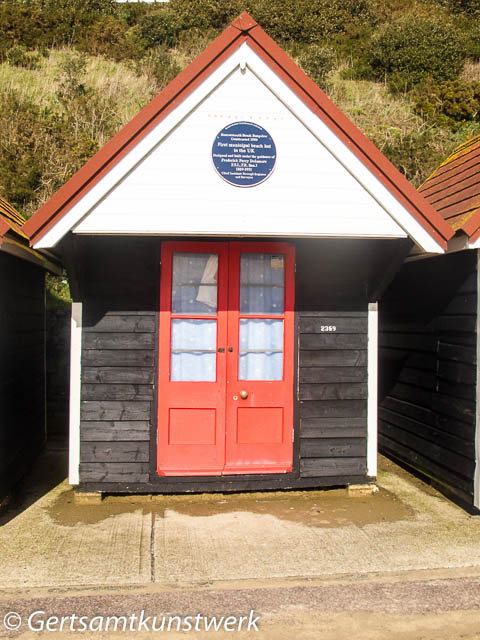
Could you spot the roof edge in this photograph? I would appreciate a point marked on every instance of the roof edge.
(358, 141)
(243, 29)
(244, 22)
(59, 203)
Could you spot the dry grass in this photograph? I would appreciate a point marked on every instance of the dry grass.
(379, 115)
(114, 80)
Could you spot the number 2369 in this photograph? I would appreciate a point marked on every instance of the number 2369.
(329, 328)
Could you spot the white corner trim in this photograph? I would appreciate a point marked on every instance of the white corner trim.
(476, 479)
(372, 411)
(75, 389)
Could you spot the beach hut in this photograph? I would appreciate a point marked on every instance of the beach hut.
(429, 403)
(22, 348)
(226, 253)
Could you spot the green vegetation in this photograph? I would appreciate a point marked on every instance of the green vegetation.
(73, 72)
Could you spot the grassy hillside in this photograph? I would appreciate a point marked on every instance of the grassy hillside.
(407, 73)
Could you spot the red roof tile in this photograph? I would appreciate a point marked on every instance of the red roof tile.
(454, 188)
(10, 219)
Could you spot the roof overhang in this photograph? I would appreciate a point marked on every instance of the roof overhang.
(243, 44)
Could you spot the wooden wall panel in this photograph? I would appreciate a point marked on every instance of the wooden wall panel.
(22, 368)
(428, 370)
(332, 393)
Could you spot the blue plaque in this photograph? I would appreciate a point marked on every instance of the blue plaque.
(244, 154)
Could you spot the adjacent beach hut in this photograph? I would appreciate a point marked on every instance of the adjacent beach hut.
(22, 348)
(226, 253)
(429, 403)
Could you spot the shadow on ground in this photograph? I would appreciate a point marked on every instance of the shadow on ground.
(49, 470)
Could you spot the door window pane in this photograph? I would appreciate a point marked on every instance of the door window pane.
(261, 350)
(262, 281)
(194, 283)
(194, 344)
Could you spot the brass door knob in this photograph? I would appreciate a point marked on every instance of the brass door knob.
(244, 395)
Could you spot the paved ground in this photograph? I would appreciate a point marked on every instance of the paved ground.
(404, 562)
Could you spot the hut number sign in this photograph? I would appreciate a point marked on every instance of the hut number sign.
(244, 154)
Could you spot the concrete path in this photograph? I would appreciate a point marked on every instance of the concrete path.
(46, 540)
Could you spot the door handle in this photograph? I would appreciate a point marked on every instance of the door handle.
(230, 349)
(221, 349)
(244, 395)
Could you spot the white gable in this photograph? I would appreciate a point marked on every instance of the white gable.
(167, 184)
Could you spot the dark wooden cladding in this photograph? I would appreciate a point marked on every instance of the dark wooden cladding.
(332, 393)
(126, 323)
(136, 358)
(427, 412)
(112, 410)
(315, 341)
(313, 467)
(114, 452)
(22, 368)
(122, 341)
(116, 472)
(333, 374)
(118, 375)
(117, 391)
(115, 430)
(118, 284)
(321, 358)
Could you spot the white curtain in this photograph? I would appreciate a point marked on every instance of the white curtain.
(261, 350)
(194, 344)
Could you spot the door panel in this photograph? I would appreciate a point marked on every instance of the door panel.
(259, 427)
(192, 372)
(226, 326)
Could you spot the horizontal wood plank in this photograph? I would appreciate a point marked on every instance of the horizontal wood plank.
(333, 447)
(120, 375)
(115, 430)
(436, 452)
(312, 341)
(318, 467)
(115, 410)
(112, 358)
(120, 324)
(137, 472)
(422, 463)
(333, 358)
(333, 428)
(325, 325)
(332, 408)
(124, 341)
(114, 452)
(460, 442)
(338, 391)
(459, 372)
(117, 392)
(332, 374)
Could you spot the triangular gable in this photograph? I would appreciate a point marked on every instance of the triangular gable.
(243, 39)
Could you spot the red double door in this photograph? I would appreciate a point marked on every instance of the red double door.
(226, 348)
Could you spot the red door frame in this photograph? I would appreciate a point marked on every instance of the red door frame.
(229, 455)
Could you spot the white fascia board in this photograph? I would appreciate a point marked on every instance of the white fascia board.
(244, 58)
(343, 154)
(372, 402)
(118, 172)
(474, 245)
(75, 394)
(476, 479)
